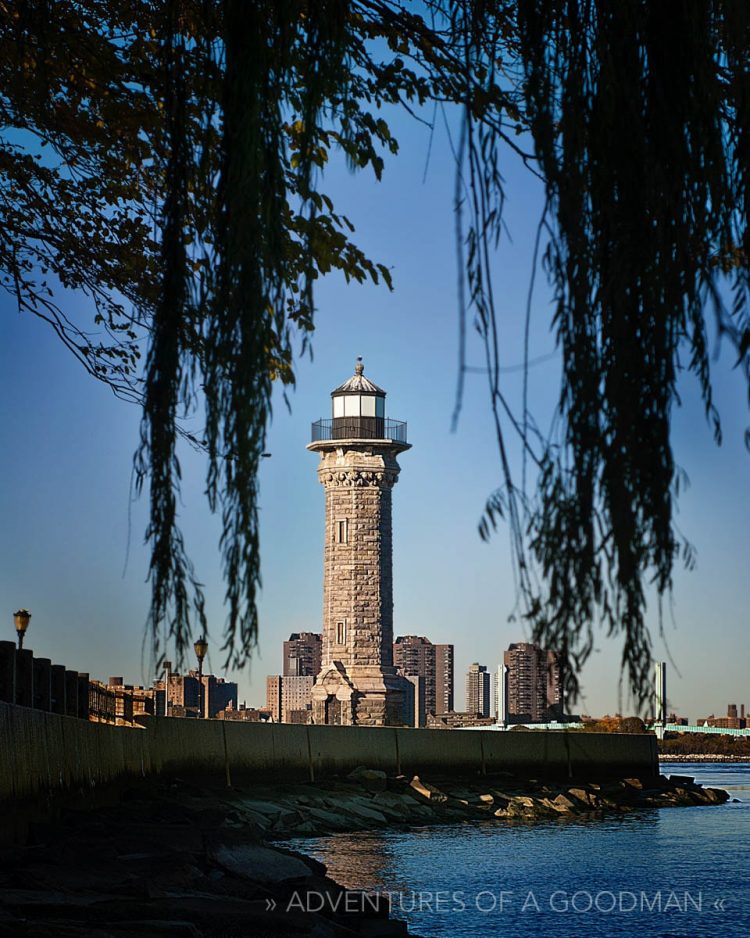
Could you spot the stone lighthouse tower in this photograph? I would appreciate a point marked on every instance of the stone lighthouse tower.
(358, 447)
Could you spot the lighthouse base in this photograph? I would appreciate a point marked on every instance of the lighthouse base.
(364, 696)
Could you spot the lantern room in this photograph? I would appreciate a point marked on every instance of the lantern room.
(358, 413)
(358, 407)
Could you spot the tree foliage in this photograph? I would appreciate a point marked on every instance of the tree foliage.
(78, 178)
(167, 159)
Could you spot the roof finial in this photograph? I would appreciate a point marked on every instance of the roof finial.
(359, 367)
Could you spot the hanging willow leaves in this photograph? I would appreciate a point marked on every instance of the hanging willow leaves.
(638, 113)
(283, 84)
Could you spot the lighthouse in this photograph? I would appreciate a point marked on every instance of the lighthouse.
(358, 468)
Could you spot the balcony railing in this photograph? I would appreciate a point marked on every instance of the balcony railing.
(359, 428)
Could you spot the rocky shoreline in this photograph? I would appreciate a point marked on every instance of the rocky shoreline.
(175, 859)
(383, 801)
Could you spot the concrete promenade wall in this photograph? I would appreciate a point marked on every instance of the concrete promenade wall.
(48, 752)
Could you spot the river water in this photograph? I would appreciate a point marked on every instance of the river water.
(675, 872)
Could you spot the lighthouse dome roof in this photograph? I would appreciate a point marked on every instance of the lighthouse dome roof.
(358, 383)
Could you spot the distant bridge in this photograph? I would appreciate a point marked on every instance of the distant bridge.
(656, 727)
(714, 730)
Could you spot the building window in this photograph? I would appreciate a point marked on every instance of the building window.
(342, 532)
(341, 633)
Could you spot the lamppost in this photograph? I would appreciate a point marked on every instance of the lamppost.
(22, 619)
(201, 647)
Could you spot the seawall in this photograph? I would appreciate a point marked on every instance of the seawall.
(48, 752)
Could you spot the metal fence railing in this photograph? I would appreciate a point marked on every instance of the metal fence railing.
(359, 428)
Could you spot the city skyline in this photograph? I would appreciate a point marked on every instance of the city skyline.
(74, 555)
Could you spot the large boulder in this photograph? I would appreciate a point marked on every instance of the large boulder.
(427, 791)
(583, 795)
(683, 781)
(261, 864)
(562, 804)
(371, 779)
(363, 814)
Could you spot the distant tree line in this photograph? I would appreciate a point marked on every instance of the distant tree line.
(615, 724)
(684, 744)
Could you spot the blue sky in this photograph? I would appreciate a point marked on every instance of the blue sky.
(73, 553)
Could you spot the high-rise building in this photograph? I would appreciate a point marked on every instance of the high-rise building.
(358, 468)
(478, 690)
(296, 696)
(416, 655)
(444, 678)
(184, 694)
(302, 654)
(555, 709)
(501, 695)
(273, 696)
(288, 694)
(412, 688)
(533, 688)
(218, 694)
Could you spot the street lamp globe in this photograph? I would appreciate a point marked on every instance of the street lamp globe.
(21, 619)
(201, 649)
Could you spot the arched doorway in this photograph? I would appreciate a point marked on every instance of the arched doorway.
(332, 711)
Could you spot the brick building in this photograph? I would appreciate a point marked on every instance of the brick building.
(289, 697)
(302, 654)
(734, 720)
(530, 685)
(243, 714)
(478, 690)
(184, 696)
(142, 697)
(218, 693)
(416, 655)
(273, 696)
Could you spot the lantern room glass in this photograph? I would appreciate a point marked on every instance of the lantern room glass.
(358, 405)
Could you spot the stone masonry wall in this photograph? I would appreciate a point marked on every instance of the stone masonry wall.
(357, 577)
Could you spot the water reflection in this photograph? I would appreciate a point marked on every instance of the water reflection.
(363, 860)
(359, 861)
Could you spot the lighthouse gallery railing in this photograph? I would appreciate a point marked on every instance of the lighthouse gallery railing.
(359, 428)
